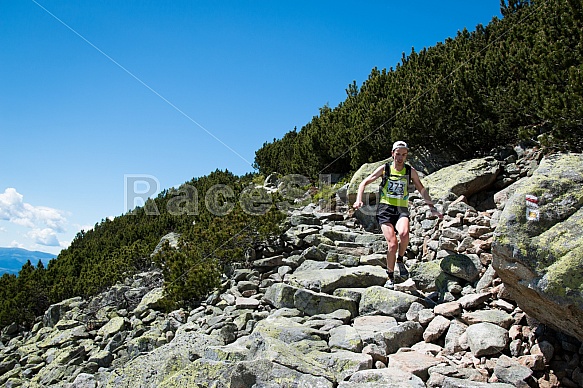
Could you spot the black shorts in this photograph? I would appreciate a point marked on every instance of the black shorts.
(389, 214)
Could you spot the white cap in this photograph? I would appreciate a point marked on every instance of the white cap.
(399, 144)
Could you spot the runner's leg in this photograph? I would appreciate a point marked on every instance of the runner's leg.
(403, 230)
(392, 245)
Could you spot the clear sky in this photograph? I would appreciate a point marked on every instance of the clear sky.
(93, 92)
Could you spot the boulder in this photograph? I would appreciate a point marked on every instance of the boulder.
(486, 339)
(404, 335)
(286, 330)
(379, 300)
(386, 377)
(414, 362)
(465, 267)
(151, 369)
(260, 373)
(328, 280)
(538, 244)
(343, 363)
(465, 178)
(280, 295)
(313, 303)
(511, 372)
(114, 326)
(57, 311)
(151, 300)
(345, 337)
(373, 329)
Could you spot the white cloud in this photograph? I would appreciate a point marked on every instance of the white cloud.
(15, 210)
(44, 236)
(44, 222)
(16, 244)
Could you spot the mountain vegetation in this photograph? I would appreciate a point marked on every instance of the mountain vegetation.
(218, 216)
(518, 78)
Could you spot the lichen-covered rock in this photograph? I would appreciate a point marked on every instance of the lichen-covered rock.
(149, 370)
(313, 303)
(301, 355)
(404, 335)
(236, 351)
(171, 238)
(56, 311)
(486, 339)
(386, 377)
(379, 300)
(425, 273)
(114, 326)
(280, 295)
(465, 178)
(262, 372)
(343, 363)
(331, 279)
(59, 337)
(286, 330)
(465, 267)
(345, 337)
(151, 300)
(539, 255)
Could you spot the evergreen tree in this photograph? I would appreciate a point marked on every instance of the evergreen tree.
(518, 78)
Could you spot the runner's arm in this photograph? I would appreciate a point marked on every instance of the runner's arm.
(423, 191)
(368, 180)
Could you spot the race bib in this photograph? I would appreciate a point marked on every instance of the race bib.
(396, 188)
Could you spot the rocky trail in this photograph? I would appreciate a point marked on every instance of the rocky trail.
(309, 310)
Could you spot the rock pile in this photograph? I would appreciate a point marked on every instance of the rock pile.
(310, 311)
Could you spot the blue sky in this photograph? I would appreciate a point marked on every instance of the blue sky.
(92, 92)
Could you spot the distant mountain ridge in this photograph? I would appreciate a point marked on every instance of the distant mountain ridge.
(12, 259)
